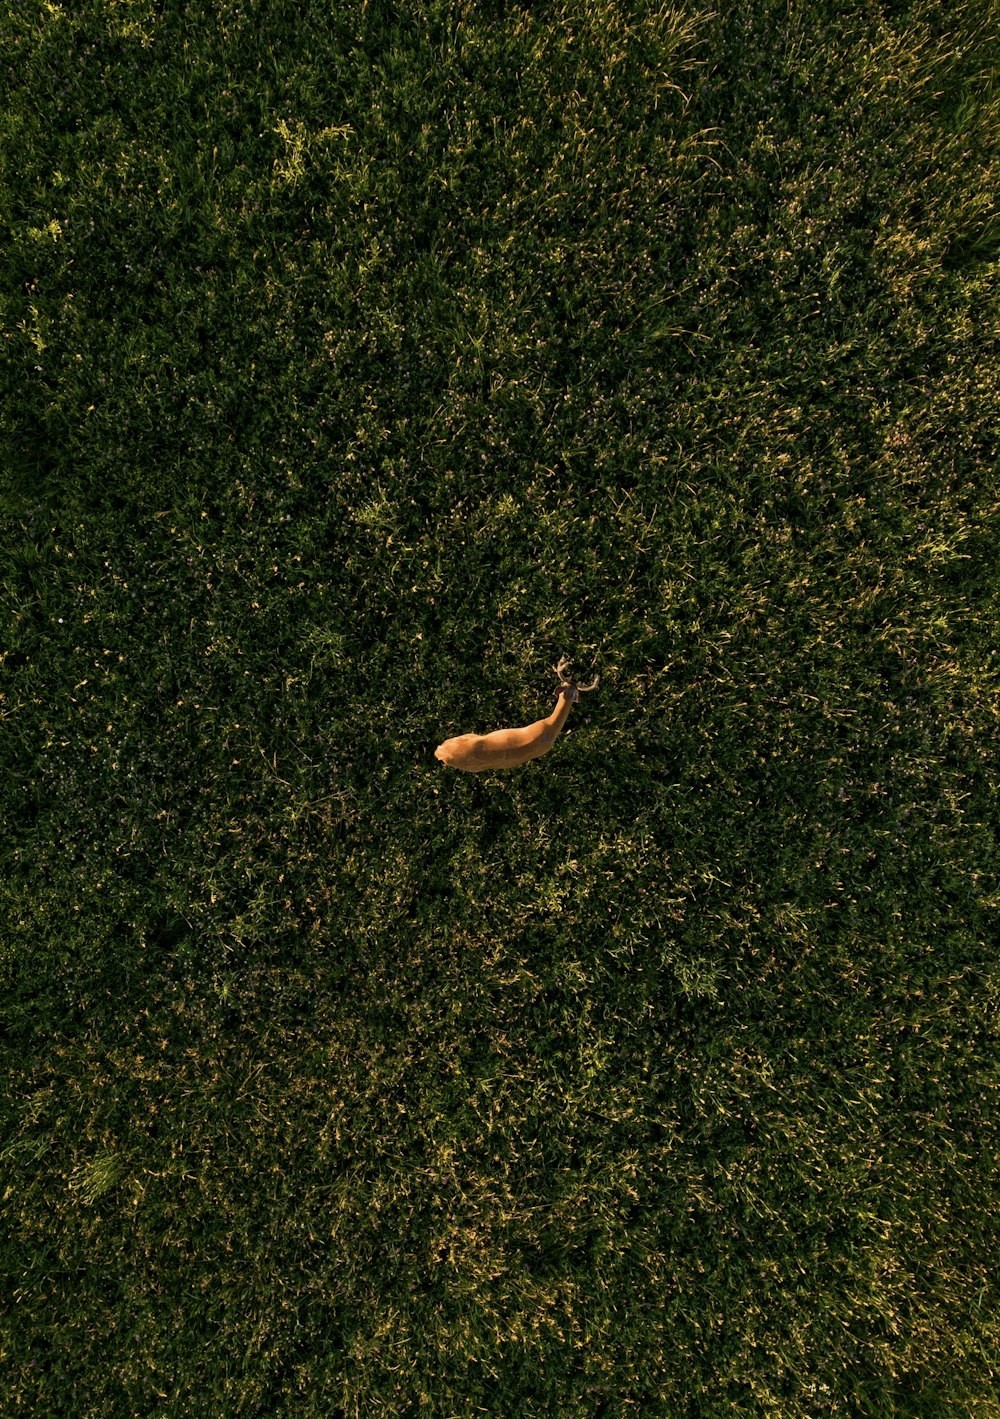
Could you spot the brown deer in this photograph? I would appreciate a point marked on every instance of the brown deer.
(506, 748)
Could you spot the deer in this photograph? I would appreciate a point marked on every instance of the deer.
(508, 748)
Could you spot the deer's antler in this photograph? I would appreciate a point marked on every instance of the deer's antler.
(565, 680)
(561, 669)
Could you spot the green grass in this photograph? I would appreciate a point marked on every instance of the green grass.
(358, 362)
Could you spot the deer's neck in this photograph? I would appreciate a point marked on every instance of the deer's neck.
(560, 714)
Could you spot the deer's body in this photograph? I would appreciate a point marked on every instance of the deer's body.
(507, 748)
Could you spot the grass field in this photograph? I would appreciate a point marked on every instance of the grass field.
(359, 361)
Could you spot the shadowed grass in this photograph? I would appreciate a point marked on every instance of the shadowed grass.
(357, 364)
